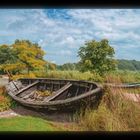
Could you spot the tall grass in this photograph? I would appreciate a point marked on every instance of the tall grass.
(115, 113)
(116, 76)
(123, 76)
(70, 75)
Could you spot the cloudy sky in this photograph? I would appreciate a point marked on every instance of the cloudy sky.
(60, 32)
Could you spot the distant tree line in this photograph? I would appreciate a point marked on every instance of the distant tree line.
(123, 64)
(95, 56)
(132, 65)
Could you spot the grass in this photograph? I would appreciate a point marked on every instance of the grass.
(118, 75)
(71, 74)
(123, 76)
(26, 124)
(132, 90)
(114, 113)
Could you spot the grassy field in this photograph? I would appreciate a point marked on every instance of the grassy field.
(26, 124)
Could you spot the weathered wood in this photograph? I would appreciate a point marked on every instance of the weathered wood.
(27, 96)
(58, 92)
(67, 94)
(27, 87)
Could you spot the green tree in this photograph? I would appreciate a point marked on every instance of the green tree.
(97, 56)
(7, 55)
(8, 58)
(30, 55)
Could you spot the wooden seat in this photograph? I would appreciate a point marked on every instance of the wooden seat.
(58, 92)
(27, 87)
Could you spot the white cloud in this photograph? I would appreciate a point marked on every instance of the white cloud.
(64, 37)
(64, 52)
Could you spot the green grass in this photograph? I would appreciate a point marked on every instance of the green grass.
(26, 124)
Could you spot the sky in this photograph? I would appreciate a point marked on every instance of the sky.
(61, 32)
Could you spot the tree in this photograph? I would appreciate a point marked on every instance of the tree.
(50, 66)
(30, 55)
(23, 54)
(7, 55)
(97, 56)
(8, 59)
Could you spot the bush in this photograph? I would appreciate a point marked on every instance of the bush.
(5, 101)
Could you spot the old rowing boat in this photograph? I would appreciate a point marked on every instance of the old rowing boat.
(63, 94)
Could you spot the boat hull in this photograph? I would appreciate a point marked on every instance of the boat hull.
(86, 96)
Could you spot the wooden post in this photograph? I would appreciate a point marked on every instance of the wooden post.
(9, 75)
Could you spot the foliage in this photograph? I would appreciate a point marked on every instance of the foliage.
(5, 101)
(23, 54)
(97, 56)
(50, 66)
(123, 65)
(7, 58)
(69, 66)
(29, 75)
(132, 65)
(29, 54)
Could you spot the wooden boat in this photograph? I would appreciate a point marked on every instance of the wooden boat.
(65, 94)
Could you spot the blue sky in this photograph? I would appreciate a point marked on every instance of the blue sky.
(60, 32)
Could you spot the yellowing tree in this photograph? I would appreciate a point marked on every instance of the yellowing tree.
(8, 59)
(29, 55)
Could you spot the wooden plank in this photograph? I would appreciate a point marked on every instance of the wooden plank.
(27, 96)
(27, 87)
(58, 92)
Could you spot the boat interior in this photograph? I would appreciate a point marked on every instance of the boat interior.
(49, 90)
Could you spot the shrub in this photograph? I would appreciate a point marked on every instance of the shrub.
(5, 101)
